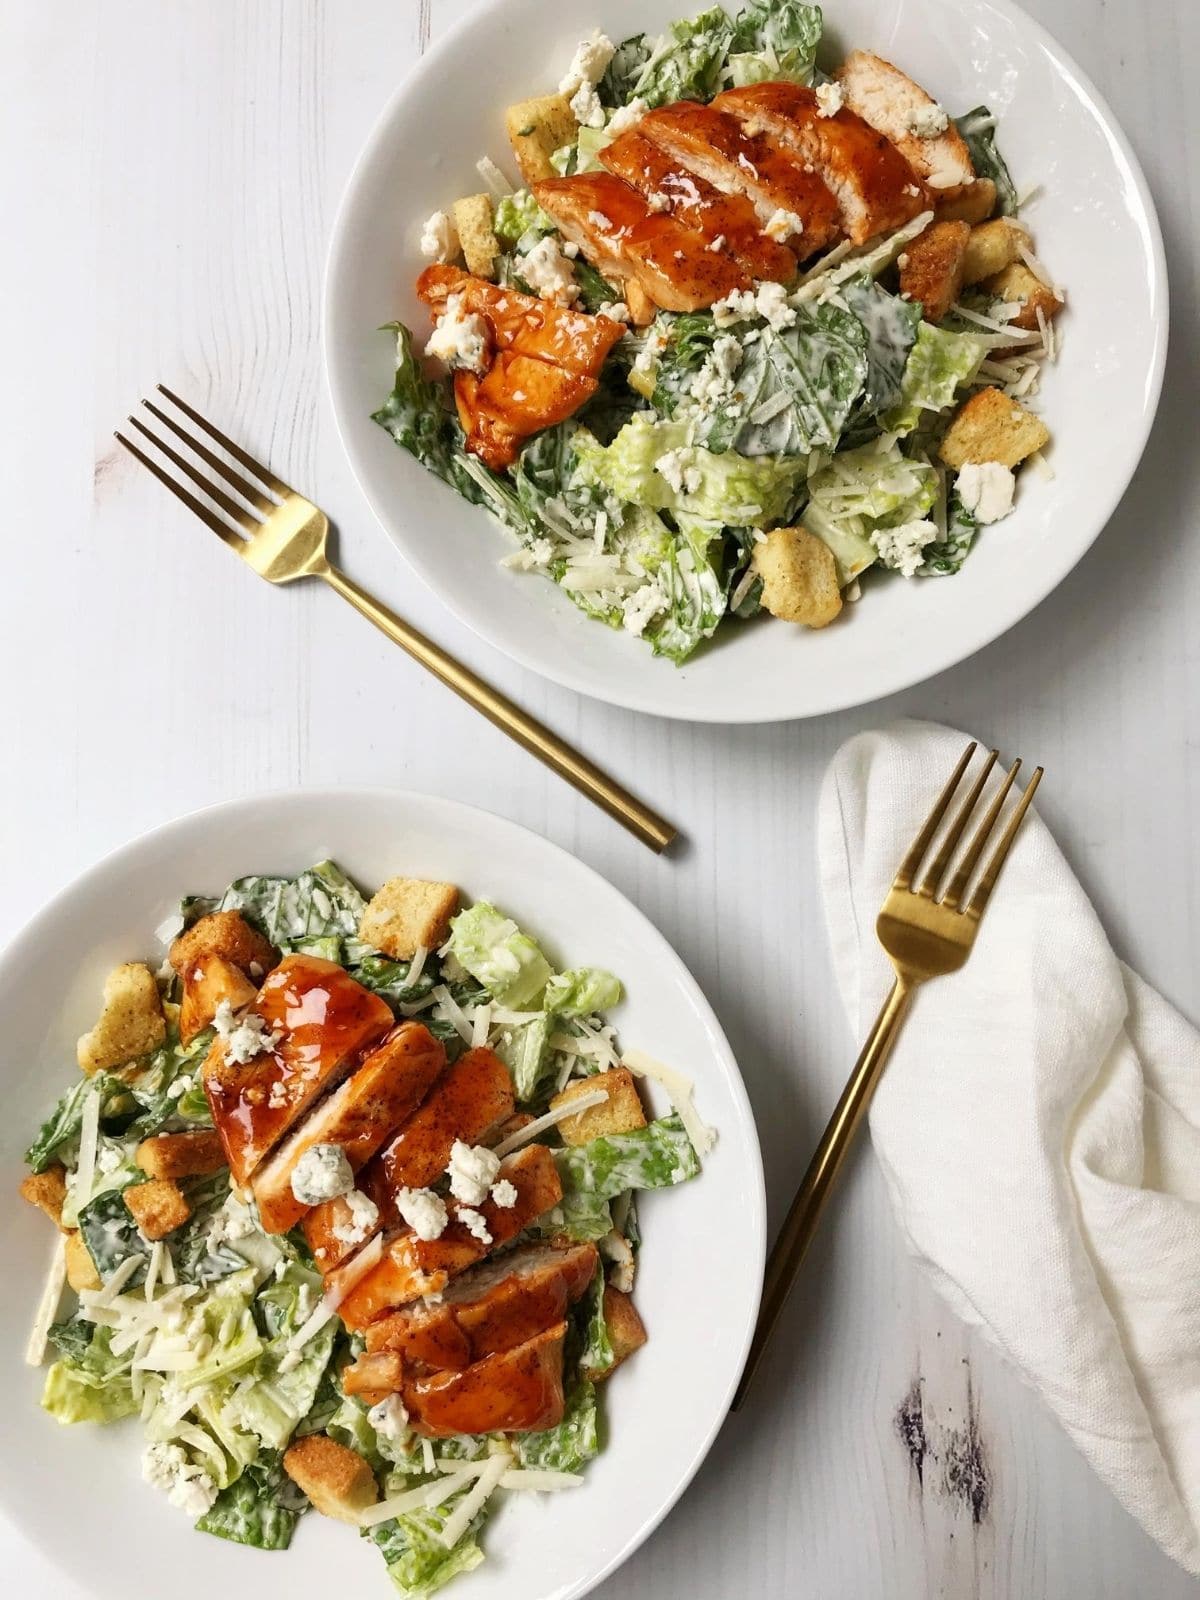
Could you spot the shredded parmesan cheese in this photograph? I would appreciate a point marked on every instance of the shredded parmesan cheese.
(89, 1138)
(418, 1499)
(583, 1102)
(35, 1350)
(545, 1482)
(493, 177)
(119, 1279)
(487, 1484)
(450, 1010)
(681, 1092)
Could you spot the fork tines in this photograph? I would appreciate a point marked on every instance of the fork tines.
(248, 521)
(937, 869)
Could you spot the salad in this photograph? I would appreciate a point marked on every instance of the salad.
(745, 332)
(346, 1194)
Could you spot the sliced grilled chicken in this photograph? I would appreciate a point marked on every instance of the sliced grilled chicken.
(728, 221)
(324, 1021)
(718, 148)
(411, 1266)
(623, 238)
(519, 1391)
(472, 1096)
(875, 188)
(572, 340)
(899, 108)
(493, 1307)
(359, 1116)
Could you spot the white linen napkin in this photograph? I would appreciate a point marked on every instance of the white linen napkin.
(1039, 1130)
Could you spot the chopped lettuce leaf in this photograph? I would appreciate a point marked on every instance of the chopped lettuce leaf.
(939, 363)
(112, 1236)
(693, 591)
(862, 490)
(572, 1444)
(686, 62)
(596, 1354)
(89, 1383)
(260, 1508)
(389, 978)
(279, 1393)
(580, 1214)
(494, 950)
(518, 214)
(418, 416)
(947, 555)
(653, 1157)
(978, 129)
(418, 1562)
(60, 1132)
(891, 325)
(525, 1052)
(581, 990)
(774, 41)
(321, 903)
(616, 88)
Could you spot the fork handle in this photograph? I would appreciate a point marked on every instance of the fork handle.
(532, 735)
(807, 1208)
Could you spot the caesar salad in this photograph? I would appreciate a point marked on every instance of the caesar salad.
(746, 331)
(346, 1198)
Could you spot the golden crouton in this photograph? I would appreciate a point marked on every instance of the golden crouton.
(407, 914)
(991, 427)
(131, 1021)
(182, 1155)
(992, 247)
(81, 1269)
(336, 1479)
(474, 219)
(206, 983)
(1017, 285)
(226, 934)
(536, 129)
(972, 202)
(158, 1207)
(931, 268)
(620, 1113)
(799, 577)
(47, 1190)
(626, 1330)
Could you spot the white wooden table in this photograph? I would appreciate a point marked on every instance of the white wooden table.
(169, 178)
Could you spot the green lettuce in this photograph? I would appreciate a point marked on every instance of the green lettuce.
(695, 592)
(891, 326)
(728, 488)
(616, 88)
(569, 1446)
(59, 1134)
(526, 1053)
(939, 364)
(580, 991)
(89, 1383)
(945, 556)
(978, 129)
(518, 214)
(654, 1157)
(260, 1508)
(686, 63)
(419, 418)
(112, 1236)
(494, 950)
(775, 40)
(389, 979)
(279, 1394)
(596, 1354)
(418, 1562)
(318, 904)
(156, 1089)
(862, 490)
(580, 1214)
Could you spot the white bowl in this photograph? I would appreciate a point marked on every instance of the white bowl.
(1094, 224)
(68, 1489)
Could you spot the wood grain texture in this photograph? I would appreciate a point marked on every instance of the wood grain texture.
(181, 172)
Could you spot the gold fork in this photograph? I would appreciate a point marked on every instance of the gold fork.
(924, 937)
(283, 538)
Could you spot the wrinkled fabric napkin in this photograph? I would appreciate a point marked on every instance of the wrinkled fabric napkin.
(1039, 1130)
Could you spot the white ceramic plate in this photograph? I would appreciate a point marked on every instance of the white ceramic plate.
(69, 1489)
(1094, 225)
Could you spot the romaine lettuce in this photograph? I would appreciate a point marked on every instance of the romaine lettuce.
(417, 414)
(581, 990)
(260, 1508)
(518, 214)
(321, 903)
(686, 62)
(494, 950)
(60, 1131)
(862, 490)
(693, 591)
(596, 1354)
(417, 1560)
(627, 65)
(891, 326)
(572, 1444)
(939, 363)
(775, 40)
(978, 129)
(525, 1053)
(89, 1383)
(653, 1157)
(947, 555)
(112, 1236)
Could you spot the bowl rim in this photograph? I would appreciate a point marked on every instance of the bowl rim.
(560, 669)
(753, 1219)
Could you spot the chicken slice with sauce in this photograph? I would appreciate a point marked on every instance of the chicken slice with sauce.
(519, 1391)
(412, 1266)
(622, 238)
(895, 106)
(875, 188)
(729, 222)
(492, 1308)
(470, 1098)
(359, 1116)
(570, 339)
(323, 1021)
(719, 149)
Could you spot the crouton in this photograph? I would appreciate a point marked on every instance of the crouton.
(407, 914)
(536, 129)
(474, 219)
(336, 1479)
(226, 934)
(207, 983)
(974, 202)
(81, 1269)
(1018, 285)
(158, 1207)
(991, 427)
(799, 577)
(620, 1113)
(626, 1330)
(992, 247)
(131, 1021)
(181, 1155)
(931, 268)
(47, 1190)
